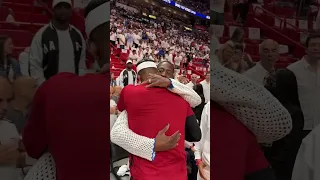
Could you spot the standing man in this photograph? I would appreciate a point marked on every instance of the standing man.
(206, 87)
(307, 72)
(58, 46)
(269, 54)
(159, 102)
(128, 75)
(193, 82)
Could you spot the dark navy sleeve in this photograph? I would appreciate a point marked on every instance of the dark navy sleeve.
(192, 128)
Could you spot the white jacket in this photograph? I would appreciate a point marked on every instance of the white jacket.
(307, 165)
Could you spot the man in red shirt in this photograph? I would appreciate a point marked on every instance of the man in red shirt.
(146, 118)
(236, 152)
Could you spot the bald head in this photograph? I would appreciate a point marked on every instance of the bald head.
(117, 90)
(5, 85)
(23, 80)
(111, 90)
(5, 95)
(268, 43)
(194, 78)
(269, 52)
(24, 87)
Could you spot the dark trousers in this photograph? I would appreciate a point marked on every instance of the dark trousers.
(191, 163)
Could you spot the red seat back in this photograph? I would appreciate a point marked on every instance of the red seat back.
(20, 38)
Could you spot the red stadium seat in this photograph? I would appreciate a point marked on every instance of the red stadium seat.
(4, 11)
(252, 49)
(284, 11)
(33, 18)
(20, 1)
(25, 8)
(33, 28)
(20, 38)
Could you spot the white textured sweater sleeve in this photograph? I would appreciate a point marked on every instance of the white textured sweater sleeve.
(250, 103)
(186, 92)
(135, 144)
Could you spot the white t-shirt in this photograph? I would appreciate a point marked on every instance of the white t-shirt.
(257, 73)
(113, 36)
(308, 81)
(136, 38)
(66, 53)
(113, 117)
(122, 39)
(134, 58)
(177, 60)
(170, 57)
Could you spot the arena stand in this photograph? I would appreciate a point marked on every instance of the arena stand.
(270, 21)
(29, 19)
(120, 56)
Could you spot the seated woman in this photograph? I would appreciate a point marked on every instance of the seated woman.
(9, 67)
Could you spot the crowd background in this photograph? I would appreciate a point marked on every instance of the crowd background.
(275, 43)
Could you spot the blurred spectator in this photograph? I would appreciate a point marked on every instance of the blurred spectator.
(9, 67)
(128, 75)
(58, 46)
(269, 54)
(24, 61)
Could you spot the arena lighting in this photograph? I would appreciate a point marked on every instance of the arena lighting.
(189, 29)
(153, 17)
(172, 3)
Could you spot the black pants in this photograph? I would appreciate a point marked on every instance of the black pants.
(113, 43)
(191, 162)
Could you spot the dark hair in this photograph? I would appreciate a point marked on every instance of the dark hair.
(236, 34)
(3, 39)
(282, 83)
(312, 36)
(198, 89)
(166, 62)
(100, 36)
